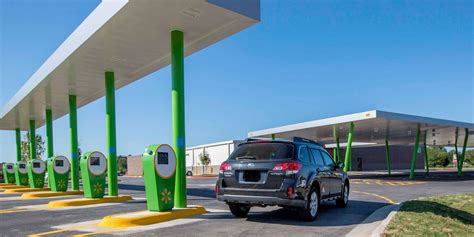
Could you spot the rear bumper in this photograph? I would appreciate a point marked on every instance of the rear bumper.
(261, 200)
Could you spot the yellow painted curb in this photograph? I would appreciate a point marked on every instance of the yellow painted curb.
(5, 184)
(88, 201)
(148, 218)
(49, 194)
(13, 187)
(26, 190)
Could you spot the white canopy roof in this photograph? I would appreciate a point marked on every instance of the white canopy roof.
(372, 127)
(132, 38)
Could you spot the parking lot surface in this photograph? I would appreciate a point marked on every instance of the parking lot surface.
(21, 217)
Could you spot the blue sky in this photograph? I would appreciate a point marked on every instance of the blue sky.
(305, 60)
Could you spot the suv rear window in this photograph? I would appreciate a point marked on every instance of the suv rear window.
(263, 151)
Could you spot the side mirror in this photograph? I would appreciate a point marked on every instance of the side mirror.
(340, 165)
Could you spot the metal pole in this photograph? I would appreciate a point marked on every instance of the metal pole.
(460, 164)
(425, 148)
(32, 140)
(177, 104)
(415, 152)
(74, 143)
(18, 144)
(347, 159)
(338, 149)
(387, 154)
(111, 133)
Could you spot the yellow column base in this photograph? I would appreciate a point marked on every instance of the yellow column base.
(26, 190)
(140, 218)
(49, 194)
(13, 186)
(88, 201)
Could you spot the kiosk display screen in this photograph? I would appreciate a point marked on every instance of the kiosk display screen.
(95, 161)
(9, 167)
(36, 165)
(59, 163)
(162, 158)
(22, 166)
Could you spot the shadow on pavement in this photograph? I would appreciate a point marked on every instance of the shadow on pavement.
(209, 193)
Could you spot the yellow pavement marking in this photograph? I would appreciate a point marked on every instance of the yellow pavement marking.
(387, 183)
(88, 201)
(62, 230)
(376, 195)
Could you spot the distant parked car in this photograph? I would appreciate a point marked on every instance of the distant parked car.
(298, 173)
(189, 171)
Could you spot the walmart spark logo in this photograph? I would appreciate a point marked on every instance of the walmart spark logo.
(98, 188)
(38, 182)
(11, 179)
(24, 180)
(61, 184)
(166, 196)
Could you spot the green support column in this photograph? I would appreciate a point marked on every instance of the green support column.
(32, 139)
(49, 137)
(338, 150)
(177, 104)
(463, 154)
(18, 144)
(387, 154)
(49, 134)
(111, 133)
(456, 134)
(425, 148)
(337, 156)
(74, 143)
(273, 137)
(415, 152)
(347, 159)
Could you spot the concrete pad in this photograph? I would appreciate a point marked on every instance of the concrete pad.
(88, 201)
(26, 190)
(49, 194)
(140, 218)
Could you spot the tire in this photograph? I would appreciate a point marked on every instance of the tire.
(342, 200)
(189, 173)
(239, 210)
(310, 212)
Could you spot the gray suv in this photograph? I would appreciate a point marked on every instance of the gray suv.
(297, 174)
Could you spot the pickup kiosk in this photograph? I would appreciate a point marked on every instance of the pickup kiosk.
(93, 170)
(9, 173)
(58, 173)
(21, 173)
(36, 173)
(159, 169)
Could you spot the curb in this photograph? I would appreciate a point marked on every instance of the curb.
(375, 224)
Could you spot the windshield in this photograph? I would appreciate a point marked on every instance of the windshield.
(263, 151)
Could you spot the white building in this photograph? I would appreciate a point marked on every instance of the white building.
(218, 153)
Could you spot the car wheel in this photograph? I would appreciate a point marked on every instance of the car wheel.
(342, 200)
(189, 173)
(239, 210)
(310, 212)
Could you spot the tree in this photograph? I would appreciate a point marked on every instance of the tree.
(25, 147)
(438, 156)
(205, 158)
(122, 164)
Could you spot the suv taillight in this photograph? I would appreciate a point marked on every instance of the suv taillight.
(224, 167)
(292, 167)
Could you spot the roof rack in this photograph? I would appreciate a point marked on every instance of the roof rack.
(302, 139)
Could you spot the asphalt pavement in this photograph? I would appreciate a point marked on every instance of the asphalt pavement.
(19, 217)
